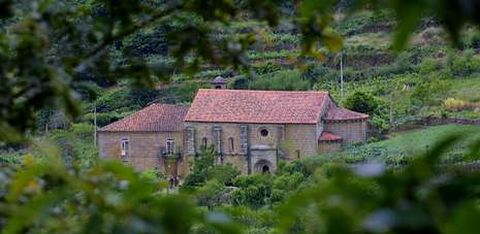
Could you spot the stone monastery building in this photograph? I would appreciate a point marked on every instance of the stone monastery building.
(253, 130)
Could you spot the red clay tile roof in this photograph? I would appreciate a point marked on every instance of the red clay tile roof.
(328, 136)
(248, 106)
(338, 113)
(153, 118)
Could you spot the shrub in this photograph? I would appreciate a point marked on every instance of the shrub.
(255, 190)
(147, 42)
(154, 175)
(203, 163)
(366, 103)
(429, 65)
(282, 80)
(223, 173)
(471, 40)
(320, 72)
(268, 67)
(103, 119)
(465, 64)
(9, 159)
(123, 99)
(240, 82)
(211, 194)
(187, 90)
(362, 102)
(112, 100)
(453, 104)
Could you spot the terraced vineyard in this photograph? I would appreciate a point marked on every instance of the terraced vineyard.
(429, 78)
(406, 86)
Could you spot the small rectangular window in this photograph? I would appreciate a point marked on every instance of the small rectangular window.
(230, 141)
(124, 147)
(170, 146)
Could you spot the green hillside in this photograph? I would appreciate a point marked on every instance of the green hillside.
(68, 67)
(428, 78)
(405, 145)
(409, 85)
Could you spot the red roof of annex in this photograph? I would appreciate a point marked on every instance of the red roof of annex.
(328, 136)
(153, 118)
(339, 113)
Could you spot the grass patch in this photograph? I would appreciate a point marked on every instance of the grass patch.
(466, 89)
(402, 146)
(416, 141)
(379, 40)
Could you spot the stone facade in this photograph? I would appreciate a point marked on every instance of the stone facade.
(329, 147)
(241, 144)
(146, 150)
(262, 136)
(352, 131)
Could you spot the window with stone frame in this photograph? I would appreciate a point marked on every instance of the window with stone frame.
(218, 139)
(170, 146)
(124, 147)
(230, 144)
(190, 143)
(204, 142)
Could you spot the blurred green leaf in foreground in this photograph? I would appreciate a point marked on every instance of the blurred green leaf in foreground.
(425, 196)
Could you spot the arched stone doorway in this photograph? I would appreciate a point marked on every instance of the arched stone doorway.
(263, 166)
(263, 159)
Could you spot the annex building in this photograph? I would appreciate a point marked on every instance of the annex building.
(253, 130)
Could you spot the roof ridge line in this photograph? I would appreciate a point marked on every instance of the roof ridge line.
(165, 104)
(266, 91)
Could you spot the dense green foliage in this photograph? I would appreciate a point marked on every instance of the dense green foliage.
(204, 169)
(403, 146)
(72, 43)
(281, 80)
(68, 58)
(43, 195)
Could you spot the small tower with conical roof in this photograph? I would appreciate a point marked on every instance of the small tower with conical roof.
(219, 83)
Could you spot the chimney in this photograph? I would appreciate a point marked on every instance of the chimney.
(219, 83)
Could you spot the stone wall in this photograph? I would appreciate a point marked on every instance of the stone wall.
(440, 121)
(301, 141)
(292, 140)
(144, 149)
(350, 131)
(283, 142)
(288, 137)
(229, 130)
(329, 147)
(239, 161)
(328, 103)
